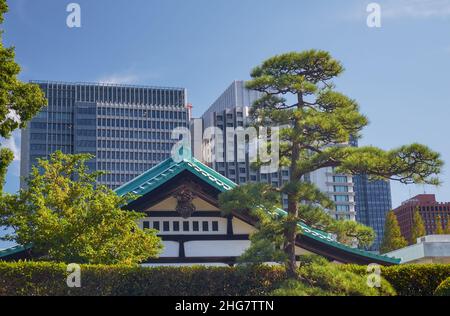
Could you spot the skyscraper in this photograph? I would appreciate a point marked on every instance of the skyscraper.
(231, 110)
(373, 202)
(127, 128)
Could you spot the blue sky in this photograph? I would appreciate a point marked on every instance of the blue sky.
(398, 73)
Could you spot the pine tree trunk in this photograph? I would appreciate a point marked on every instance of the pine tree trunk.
(291, 229)
(291, 236)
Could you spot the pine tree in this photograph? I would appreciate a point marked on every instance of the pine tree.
(299, 97)
(439, 230)
(418, 228)
(392, 239)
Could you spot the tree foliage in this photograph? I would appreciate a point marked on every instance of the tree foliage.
(68, 218)
(447, 226)
(392, 239)
(314, 130)
(6, 157)
(262, 202)
(19, 102)
(418, 227)
(259, 201)
(439, 230)
(318, 277)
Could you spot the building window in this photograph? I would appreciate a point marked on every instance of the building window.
(215, 226)
(205, 226)
(176, 226)
(195, 226)
(342, 208)
(340, 188)
(186, 226)
(341, 198)
(146, 225)
(340, 179)
(166, 226)
(156, 225)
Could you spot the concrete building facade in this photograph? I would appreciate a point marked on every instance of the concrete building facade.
(428, 208)
(127, 128)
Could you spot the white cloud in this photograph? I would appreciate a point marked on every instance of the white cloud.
(415, 8)
(120, 79)
(398, 9)
(12, 143)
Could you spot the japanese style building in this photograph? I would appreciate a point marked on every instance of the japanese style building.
(180, 199)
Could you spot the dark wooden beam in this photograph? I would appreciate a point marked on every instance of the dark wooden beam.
(185, 238)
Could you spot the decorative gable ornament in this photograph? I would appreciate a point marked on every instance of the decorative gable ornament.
(185, 207)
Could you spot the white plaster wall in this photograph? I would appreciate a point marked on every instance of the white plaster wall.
(171, 249)
(217, 248)
(300, 251)
(242, 228)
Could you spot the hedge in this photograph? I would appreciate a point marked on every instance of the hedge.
(443, 289)
(411, 279)
(49, 279)
(43, 278)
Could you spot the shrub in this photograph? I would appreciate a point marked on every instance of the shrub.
(410, 279)
(298, 288)
(318, 277)
(443, 289)
(323, 278)
(43, 278)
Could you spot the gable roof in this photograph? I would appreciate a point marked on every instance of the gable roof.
(166, 170)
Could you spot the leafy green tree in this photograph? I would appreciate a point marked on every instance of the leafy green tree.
(418, 227)
(313, 129)
(72, 220)
(19, 102)
(6, 157)
(393, 238)
(439, 230)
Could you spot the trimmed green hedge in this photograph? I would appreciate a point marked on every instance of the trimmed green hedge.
(42, 278)
(443, 289)
(411, 279)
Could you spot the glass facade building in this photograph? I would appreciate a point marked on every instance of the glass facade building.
(373, 202)
(127, 128)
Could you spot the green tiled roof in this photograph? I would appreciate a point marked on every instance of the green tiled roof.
(168, 169)
(13, 250)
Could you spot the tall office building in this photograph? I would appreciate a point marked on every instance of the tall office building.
(429, 209)
(127, 128)
(373, 202)
(340, 188)
(231, 110)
